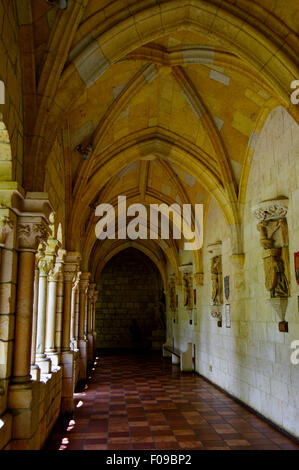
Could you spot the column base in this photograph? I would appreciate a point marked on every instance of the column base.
(44, 364)
(68, 379)
(35, 372)
(54, 358)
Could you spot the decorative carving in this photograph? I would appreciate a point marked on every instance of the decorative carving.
(275, 279)
(274, 240)
(45, 265)
(6, 226)
(271, 210)
(30, 235)
(55, 273)
(216, 276)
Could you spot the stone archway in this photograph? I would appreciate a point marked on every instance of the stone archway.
(128, 313)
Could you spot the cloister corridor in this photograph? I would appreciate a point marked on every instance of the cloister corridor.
(149, 217)
(138, 401)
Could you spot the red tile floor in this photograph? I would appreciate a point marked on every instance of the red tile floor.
(143, 402)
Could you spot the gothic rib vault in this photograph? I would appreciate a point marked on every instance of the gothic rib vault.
(176, 102)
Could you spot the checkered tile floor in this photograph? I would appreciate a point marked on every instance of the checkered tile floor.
(143, 402)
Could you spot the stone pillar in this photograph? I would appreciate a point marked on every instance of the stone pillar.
(44, 363)
(30, 232)
(35, 370)
(90, 308)
(77, 313)
(94, 333)
(23, 397)
(60, 260)
(84, 281)
(67, 357)
(74, 312)
(7, 301)
(53, 278)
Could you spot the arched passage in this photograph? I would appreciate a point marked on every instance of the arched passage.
(129, 311)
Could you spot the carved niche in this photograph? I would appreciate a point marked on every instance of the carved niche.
(274, 240)
(273, 228)
(216, 302)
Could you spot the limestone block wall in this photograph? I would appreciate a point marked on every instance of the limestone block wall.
(128, 290)
(251, 360)
(12, 111)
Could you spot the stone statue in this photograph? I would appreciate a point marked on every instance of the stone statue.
(281, 288)
(216, 272)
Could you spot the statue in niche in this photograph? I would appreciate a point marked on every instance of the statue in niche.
(276, 280)
(216, 272)
(275, 277)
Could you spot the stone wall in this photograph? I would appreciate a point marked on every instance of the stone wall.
(251, 360)
(128, 287)
(12, 111)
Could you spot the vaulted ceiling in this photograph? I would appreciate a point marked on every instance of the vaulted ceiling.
(172, 94)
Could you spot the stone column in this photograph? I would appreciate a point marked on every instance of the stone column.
(67, 357)
(74, 337)
(35, 370)
(77, 313)
(60, 260)
(24, 394)
(7, 301)
(29, 235)
(45, 265)
(84, 281)
(90, 308)
(94, 333)
(53, 278)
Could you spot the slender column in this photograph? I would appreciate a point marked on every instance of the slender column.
(44, 363)
(84, 281)
(23, 393)
(60, 260)
(90, 321)
(53, 277)
(94, 333)
(77, 312)
(35, 370)
(74, 312)
(29, 235)
(67, 358)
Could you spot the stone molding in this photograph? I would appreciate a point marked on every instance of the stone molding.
(30, 232)
(271, 210)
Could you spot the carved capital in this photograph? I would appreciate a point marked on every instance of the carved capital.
(71, 266)
(45, 265)
(84, 282)
(271, 210)
(55, 273)
(6, 226)
(30, 234)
